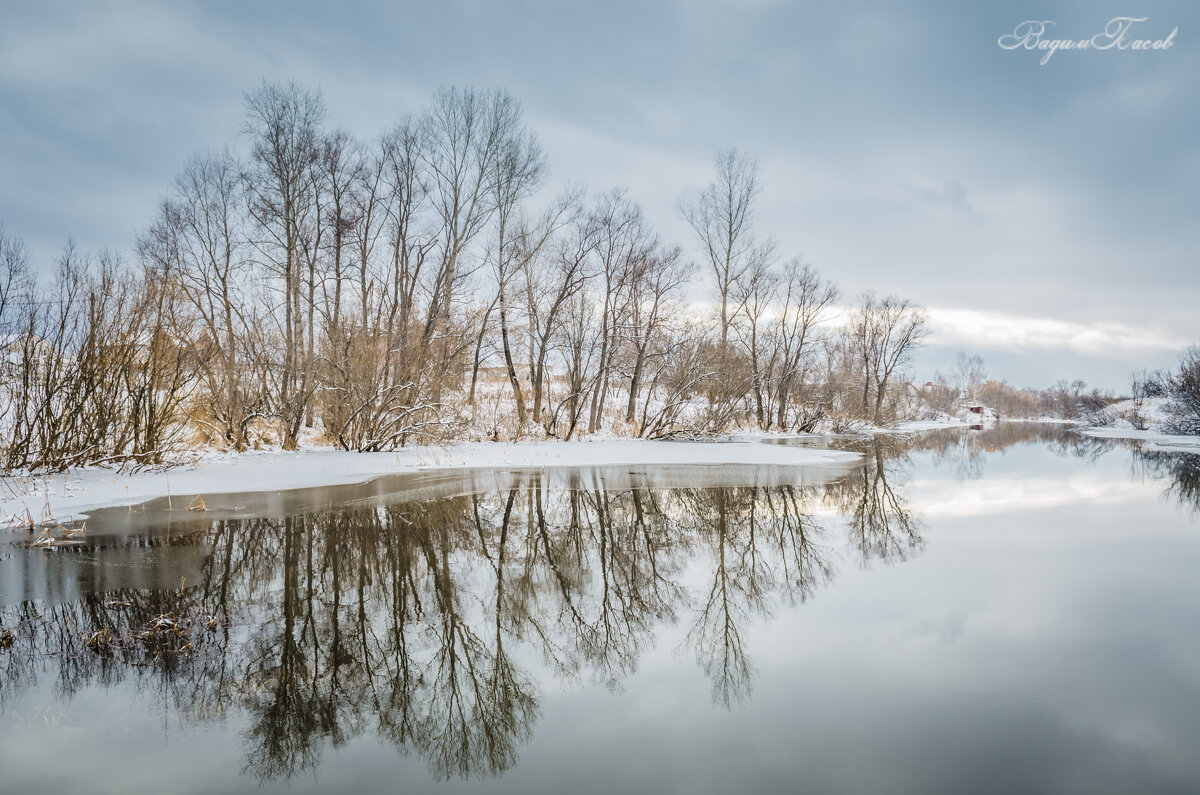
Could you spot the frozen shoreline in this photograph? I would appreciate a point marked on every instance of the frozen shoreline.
(916, 426)
(73, 493)
(1154, 414)
(1151, 439)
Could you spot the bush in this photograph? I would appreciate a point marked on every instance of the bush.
(1184, 389)
(1156, 384)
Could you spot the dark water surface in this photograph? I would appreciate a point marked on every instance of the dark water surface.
(1008, 610)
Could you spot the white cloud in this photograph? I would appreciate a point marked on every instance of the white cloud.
(973, 327)
(997, 495)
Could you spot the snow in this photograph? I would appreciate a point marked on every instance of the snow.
(1153, 411)
(1153, 414)
(944, 421)
(1151, 439)
(73, 493)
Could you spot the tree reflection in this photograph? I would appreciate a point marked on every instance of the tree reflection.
(425, 621)
(966, 450)
(881, 525)
(432, 620)
(1181, 470)
(763, 546)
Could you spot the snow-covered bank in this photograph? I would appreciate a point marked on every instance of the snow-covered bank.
(1146, 421)
(914, 426)
(989, 419)
(74, 493)
(1151, 439)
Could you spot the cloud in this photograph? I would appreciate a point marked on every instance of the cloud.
(901, 150)
(996, 494)
(972, 327)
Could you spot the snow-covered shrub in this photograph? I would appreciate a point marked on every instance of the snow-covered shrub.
(1184, 388)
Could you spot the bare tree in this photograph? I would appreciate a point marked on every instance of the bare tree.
(283, 123)
(466, 135)
(755, 294)
(807, 301)
(15, 280)
(722, 218)
(519, 170)
(654, 286)
(352, 295)
(554, 275)
(623, 241)
(16, 310)
(578, 337)
(886, 332)
(1184, 390)
(338, 170)
(969, 375)
(199, 239)
(411, 242)
(101, 378)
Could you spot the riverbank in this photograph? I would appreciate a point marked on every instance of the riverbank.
(72, 494)
(1145, 422)
(1150, 439)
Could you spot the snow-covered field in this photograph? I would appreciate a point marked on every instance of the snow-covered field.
(73, 493)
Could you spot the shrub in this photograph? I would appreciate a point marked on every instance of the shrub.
(1184, 389)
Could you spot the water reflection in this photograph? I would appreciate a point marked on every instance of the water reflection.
(419, 621)
(881, 524)
(967, 451)
(434, 620)
(1180, 470)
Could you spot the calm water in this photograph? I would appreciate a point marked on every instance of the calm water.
(1012, 610)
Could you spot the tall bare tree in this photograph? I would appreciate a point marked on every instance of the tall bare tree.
(283, 123)
(552, 279)
(755, 294)
(466, 134)
(624, 240)
(722, 218)
(520, 168)
(199, 239)
(806, 302)
(969, 375)
(886, 332)
(654, 286)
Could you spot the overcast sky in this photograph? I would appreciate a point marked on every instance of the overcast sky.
(1045, 214)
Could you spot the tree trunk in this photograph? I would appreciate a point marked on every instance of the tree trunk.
(508, 362)
(635, 384)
